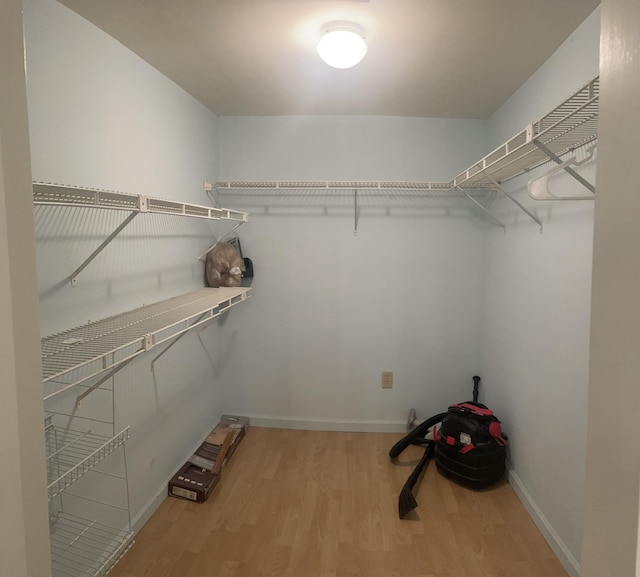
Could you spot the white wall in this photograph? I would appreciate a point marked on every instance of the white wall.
(348, 147)
(24, 545)
(535, 347)
(101, 117)
(610, 546)
(331, 310)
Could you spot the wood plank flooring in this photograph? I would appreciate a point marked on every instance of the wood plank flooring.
(325, 504)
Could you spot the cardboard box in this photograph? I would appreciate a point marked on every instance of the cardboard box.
(207, 453)
(192, 483)
(195, 479)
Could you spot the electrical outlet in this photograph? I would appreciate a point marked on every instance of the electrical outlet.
(387, 380)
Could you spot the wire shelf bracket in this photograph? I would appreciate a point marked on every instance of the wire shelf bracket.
(482, 208)
(516, 202)
(175, 341)
(73, 279)
(82, 396)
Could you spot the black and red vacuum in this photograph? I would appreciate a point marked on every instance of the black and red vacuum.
(469, 447)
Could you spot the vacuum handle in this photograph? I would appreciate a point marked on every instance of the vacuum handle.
(476, 384)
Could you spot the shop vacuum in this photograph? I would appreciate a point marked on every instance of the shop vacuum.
(469, 447)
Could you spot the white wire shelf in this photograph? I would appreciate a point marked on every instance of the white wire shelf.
(572, 124)
(63, 195)
(330, 188)
(83, 548)
(73, 196)
(76, 355)
(70, 454)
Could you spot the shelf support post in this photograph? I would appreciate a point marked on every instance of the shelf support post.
(515, 201)
(105, 243)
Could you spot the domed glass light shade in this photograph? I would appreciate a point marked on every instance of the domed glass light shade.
(342, 44)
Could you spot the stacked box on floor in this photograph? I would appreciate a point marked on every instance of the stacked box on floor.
(199, 475)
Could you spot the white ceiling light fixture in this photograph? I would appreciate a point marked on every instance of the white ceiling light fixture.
(342, 44)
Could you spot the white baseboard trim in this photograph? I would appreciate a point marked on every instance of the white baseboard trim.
(150, 508)
(140, 519)
(329, 425)
(568, 561)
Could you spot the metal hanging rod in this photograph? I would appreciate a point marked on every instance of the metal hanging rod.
(538, 187)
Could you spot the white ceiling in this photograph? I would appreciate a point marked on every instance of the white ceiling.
(429, 58)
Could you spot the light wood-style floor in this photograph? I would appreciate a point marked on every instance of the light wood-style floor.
(325, 504)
